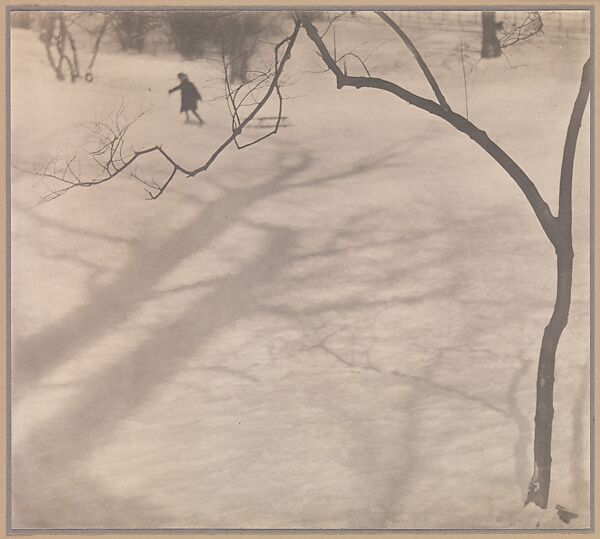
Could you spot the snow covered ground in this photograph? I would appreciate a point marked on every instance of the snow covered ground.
(336, 328)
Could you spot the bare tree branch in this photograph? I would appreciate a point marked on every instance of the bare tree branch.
(565, 206)
(275, 128)
(331, 22)
(262, 77)
(540, 207)
(514, 33)
(352, 55)
(161, 190)
(112, 159)
(411, 47)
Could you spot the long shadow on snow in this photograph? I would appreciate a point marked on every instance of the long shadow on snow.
(109, 304)
(51, 455)
(383, 498)
(56, 449)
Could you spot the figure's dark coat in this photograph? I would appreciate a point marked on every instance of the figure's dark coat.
(189, 95)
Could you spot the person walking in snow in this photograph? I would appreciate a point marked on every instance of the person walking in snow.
(189, 97)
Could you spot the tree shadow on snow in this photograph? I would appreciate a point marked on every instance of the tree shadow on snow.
(54, 456)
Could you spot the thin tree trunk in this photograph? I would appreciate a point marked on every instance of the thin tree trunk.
(56, 67)
(47, 37)
(490, 47)
(539, 486)
(75, 74)
(88, 74)
(60, 44)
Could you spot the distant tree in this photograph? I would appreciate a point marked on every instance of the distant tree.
(490, 47)
(232, 35)
(191, 31)
(131, 28)
(61, 47)
(235, 36)
(99, 32)
(239, 38)
(60, 44)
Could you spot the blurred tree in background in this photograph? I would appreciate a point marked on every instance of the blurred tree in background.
(131, 28)
(60, 45)
(490, 47)
(234, 36)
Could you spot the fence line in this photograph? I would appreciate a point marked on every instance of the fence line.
(556, 23)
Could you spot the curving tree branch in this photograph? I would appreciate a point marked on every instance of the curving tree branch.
(411, 47)
(540, 207)
(566, 170)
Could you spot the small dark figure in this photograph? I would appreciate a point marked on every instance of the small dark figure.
(189, 97)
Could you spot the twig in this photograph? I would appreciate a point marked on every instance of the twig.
(358, 58)
(462, 59)
(330, 23)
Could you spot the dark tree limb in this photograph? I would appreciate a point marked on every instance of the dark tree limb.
(234, 104)
(422, 64)
(63, 38)
(290, 41)
(462, 124)
(566, 172)
(160, 190)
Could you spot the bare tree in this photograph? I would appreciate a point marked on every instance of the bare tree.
(236, 36)
(100, 34)
(61, 47)
(57, 40)
(114, 160)
(490, 47)
(130, 27)
(557, 228)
